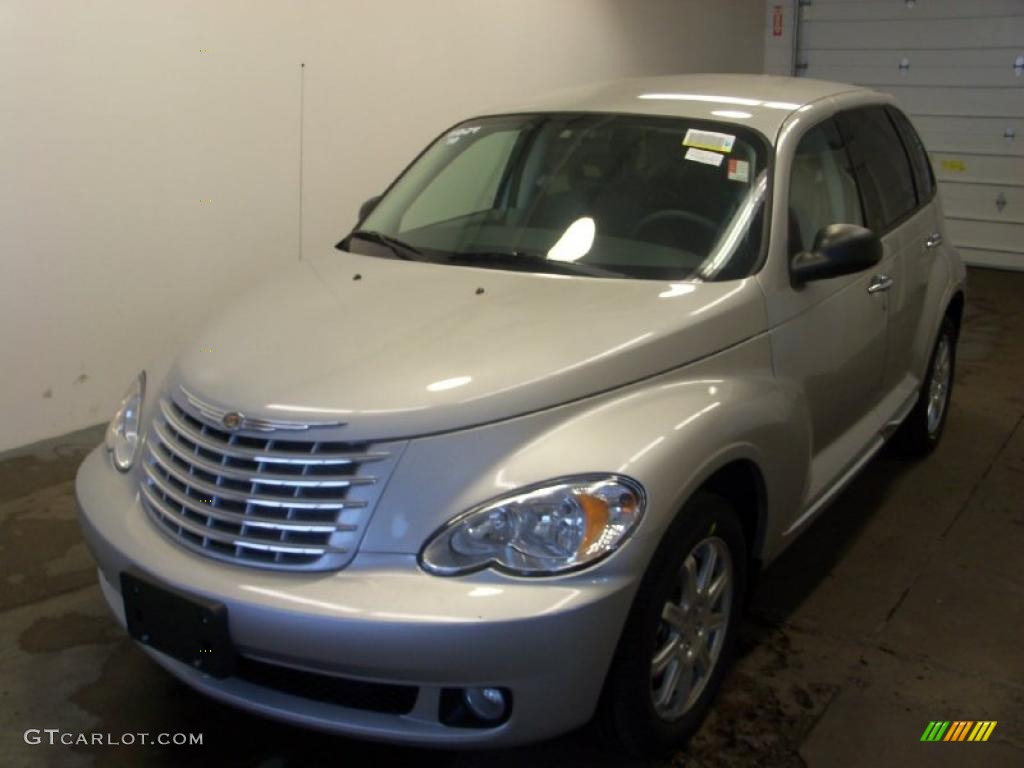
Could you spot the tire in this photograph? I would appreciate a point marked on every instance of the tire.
(628, 713)
(921, 431)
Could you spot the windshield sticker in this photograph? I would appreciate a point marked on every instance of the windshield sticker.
(719, 142)
(458, 133)
(738, 170)
(703, 156)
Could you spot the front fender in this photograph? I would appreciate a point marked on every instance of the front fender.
(670, 433)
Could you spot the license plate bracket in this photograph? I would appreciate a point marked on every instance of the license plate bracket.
(186, 627)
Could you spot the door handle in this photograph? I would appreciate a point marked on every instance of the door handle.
(880, 283)
(933, 240)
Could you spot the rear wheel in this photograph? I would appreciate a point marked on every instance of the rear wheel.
(923, 427)
(680, 634)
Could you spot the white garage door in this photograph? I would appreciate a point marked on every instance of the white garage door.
(957, 67)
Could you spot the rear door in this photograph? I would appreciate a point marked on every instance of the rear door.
(924, 268)
(833, 348)
(886, 182)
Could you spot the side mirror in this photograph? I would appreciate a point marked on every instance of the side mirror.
(367, 208)
(839, 249)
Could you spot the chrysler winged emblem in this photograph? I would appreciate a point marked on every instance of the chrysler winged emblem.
(232, 420)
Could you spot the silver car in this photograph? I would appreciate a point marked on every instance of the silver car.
(509, 456)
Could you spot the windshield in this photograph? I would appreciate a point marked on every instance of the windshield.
(596, 194)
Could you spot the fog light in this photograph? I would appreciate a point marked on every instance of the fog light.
(486, 703)
(481, 707)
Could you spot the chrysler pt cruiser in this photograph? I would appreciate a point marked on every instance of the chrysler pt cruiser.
(507, 458)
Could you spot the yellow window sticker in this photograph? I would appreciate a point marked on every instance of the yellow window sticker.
(703, 156)
(957, 166)
(719, 142)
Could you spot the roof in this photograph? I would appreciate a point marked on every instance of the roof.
(760, 101)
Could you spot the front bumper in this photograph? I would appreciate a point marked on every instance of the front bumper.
(381, 619)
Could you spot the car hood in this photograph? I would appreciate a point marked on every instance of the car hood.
(401, 349)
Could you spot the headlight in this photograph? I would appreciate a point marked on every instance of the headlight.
(552, 528)
(123, 433)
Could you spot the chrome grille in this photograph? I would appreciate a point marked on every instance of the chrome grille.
(261, 499)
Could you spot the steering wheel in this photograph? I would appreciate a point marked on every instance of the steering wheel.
(709, 230)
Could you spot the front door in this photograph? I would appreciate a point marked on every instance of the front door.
(832, 348)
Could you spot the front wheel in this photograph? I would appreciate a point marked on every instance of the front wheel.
(680, 635)
(921, 430)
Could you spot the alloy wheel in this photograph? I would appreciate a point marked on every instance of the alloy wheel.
(938, 386)
(692, 630)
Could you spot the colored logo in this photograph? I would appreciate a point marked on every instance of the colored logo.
(958, 730)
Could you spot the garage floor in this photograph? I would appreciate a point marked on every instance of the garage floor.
(903, 604)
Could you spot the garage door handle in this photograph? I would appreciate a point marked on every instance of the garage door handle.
(933, 240)
(879, 283)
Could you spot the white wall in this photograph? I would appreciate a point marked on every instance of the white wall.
(150, 149)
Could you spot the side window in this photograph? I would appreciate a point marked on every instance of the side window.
(822, 189)
(460, 189)
(924, 179)
(880, 164)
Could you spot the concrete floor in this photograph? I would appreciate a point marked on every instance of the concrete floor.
(903, 604)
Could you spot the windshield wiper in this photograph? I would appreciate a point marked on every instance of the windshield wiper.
(527, 261)
(402, 250)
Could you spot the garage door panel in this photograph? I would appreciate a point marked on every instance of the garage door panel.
(951, 143)
(982, 201)
(857, 10)
(961, 167)
(971, 136)
(978, 233)
(994, 58)
(891, 75)
(972, 125)
(1005, 102)
(944, 34)
(986, 257)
